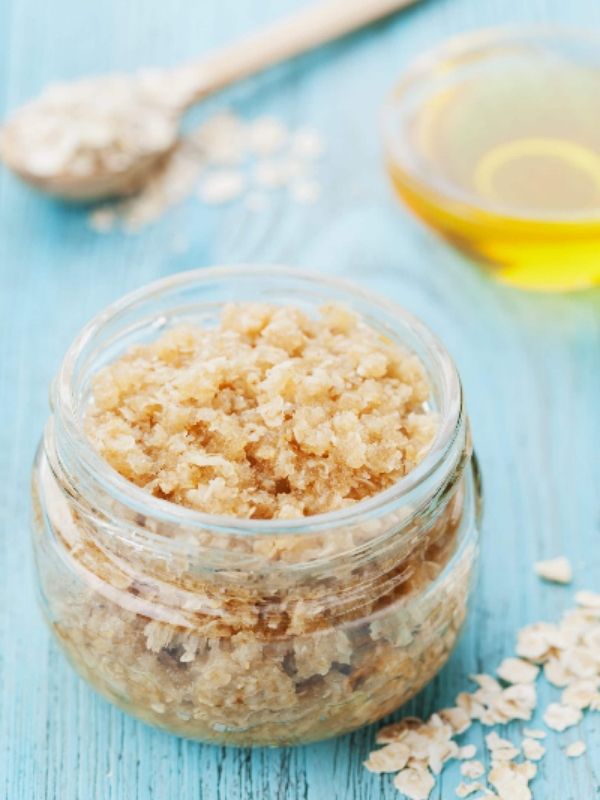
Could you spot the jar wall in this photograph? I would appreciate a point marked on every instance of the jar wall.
(272, 671)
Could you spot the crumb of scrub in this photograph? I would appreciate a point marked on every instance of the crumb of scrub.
(272, 414)
(555, 570)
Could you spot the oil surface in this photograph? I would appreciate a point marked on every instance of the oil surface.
(506, 165)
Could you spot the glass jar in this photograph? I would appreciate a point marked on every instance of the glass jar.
(251, 632)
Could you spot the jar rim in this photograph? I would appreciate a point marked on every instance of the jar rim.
(65, 406)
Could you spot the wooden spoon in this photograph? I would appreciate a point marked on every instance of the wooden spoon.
(101, 137)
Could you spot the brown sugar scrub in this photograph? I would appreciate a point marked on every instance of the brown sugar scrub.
(272, 414)
(256, 506)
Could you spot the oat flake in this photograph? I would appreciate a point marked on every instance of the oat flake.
(556, 570)
(221, 187)
(575, 749)
(472, 769)
(512, 780)
(581, 694)
(465, 789)
(415, 782)
(534, 733)
(501, 749)
(588, 599)
(468, 751)
(391, 758)
(516, 670)
(559, 717)
(532, 749)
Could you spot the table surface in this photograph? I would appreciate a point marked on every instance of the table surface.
(530, 365)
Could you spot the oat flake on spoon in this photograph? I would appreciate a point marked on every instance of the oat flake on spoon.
(92, 138)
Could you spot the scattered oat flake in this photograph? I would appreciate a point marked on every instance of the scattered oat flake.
(516, 670)
(556, 672)
(220, 140)
(556, 570)
(472, 769)
(569, 652)
(275, 173)
(532, 642)
(391, 758)
(575, 749)
(395, 730)
(487, 683)
(580, 694)
(465, 789)
(307, 143)
(102, 219)
(415, 782)
(457, 718)
(223, 152)
(305, 191)
(221, 187)
(588, 599)
(533, 750)
(501, 749)
(534, 733)
(581, 662)
(512, 780)
(559, 717)
(266, 135)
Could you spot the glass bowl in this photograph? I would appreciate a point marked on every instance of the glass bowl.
(493, 140)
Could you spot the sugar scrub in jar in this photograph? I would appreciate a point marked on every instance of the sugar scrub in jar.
(256, 506)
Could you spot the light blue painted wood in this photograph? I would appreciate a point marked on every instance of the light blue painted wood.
(530, 366)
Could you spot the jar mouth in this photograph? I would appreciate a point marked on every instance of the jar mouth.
(67, 406)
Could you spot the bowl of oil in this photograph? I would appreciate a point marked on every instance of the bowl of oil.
(493, 140)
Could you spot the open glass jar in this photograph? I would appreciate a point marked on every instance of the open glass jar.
(252, 632)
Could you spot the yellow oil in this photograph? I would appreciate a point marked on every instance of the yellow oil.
(505, 164)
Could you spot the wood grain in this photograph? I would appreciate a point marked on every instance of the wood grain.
(530, 366)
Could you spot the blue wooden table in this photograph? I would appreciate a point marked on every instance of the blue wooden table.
(530, 366)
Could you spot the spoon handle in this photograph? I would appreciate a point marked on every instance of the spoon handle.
(282, 40)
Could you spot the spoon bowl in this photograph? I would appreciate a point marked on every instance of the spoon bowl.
(93, 138)
(102, 137)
